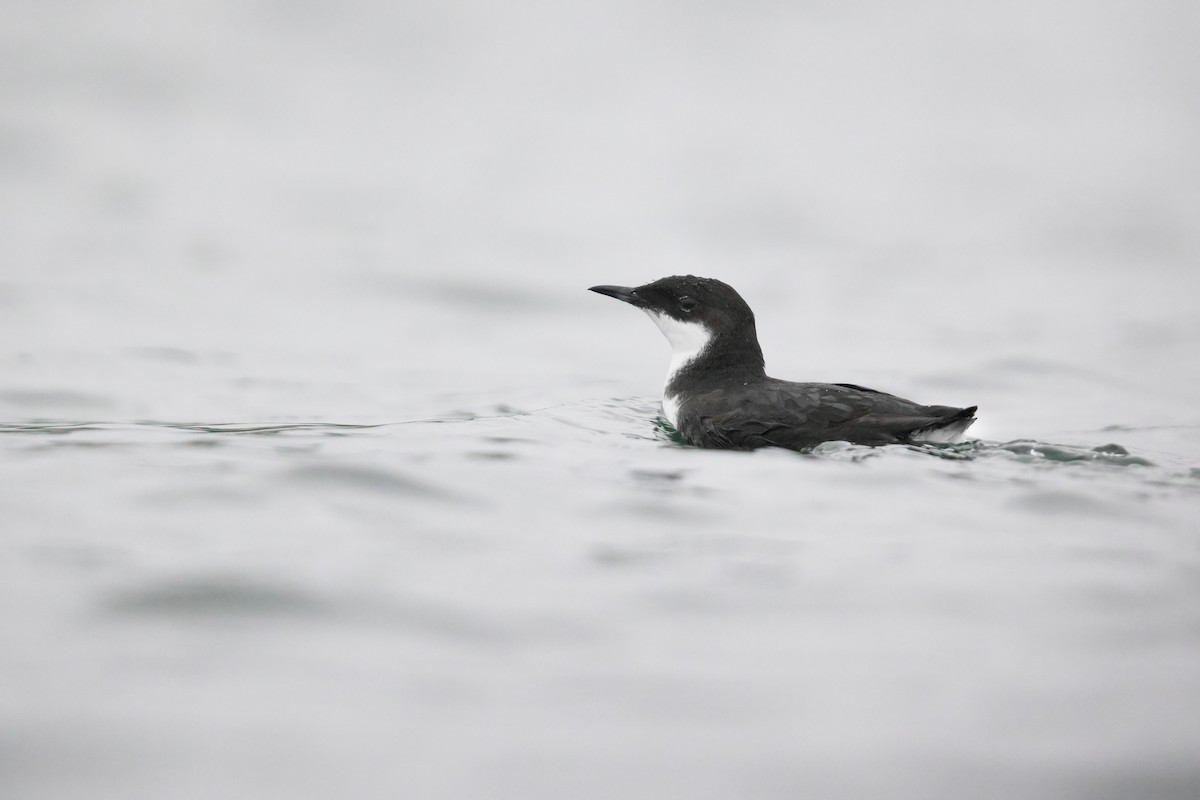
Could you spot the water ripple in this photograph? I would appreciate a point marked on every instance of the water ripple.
(1030, 450)
(363, 478)
(219, 597)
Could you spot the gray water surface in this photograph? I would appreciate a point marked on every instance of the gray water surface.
(322, 475)
(564, 601)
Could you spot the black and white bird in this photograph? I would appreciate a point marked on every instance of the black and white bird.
(718, 394)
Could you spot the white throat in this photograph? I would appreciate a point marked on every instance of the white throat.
(688, 340)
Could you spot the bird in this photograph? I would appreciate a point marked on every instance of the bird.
(718, 395)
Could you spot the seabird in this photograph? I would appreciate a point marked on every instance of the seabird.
(717, 393)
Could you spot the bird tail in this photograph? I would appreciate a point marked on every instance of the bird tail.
(948, 429)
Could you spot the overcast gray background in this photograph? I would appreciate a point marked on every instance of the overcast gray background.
(429, 183)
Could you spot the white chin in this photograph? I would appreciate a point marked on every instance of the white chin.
(688, 340)
(685, 337)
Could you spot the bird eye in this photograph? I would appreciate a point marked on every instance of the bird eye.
(687, 303)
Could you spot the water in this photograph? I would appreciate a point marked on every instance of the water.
(321, 474)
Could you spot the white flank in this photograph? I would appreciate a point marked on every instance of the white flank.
(671, 410)
(688, 340)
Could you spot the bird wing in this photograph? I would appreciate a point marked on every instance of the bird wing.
(802, 415)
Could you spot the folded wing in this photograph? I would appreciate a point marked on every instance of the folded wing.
(802, 415)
